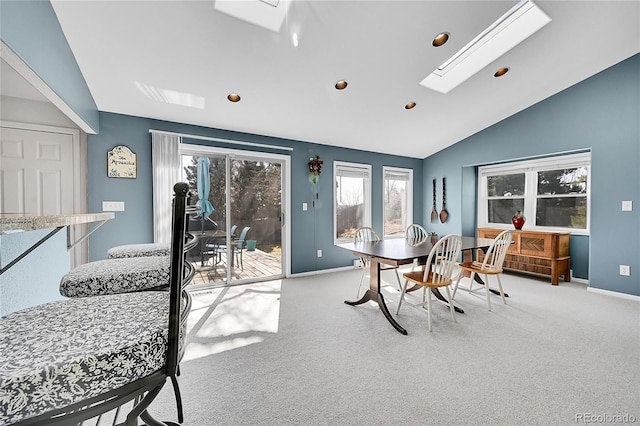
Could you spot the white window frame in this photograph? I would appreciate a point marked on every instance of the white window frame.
(531, 168)
(408, 201)
(365, 169)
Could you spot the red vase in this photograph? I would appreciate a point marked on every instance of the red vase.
(518, 220)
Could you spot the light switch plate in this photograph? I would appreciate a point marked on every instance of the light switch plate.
(113, 206)
(305, 206)
(627, 206)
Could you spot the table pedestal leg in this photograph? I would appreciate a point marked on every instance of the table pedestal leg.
(373, 294)
(379, 299)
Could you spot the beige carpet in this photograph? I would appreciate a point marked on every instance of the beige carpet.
(290, 352)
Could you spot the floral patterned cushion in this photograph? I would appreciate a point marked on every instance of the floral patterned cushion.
(60, 353)
(139, 250)
(113, 276)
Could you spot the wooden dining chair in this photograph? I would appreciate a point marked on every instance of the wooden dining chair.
(415, 235)
(366, 234)
(491, 265)
(437, 273)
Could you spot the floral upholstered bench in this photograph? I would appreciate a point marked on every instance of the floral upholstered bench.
(66, 352)
(113, 276)
(139, 250)
(72, 360)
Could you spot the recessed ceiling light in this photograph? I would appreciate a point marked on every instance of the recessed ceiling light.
(410, 105)
(440, 39)
(501, 72)
(341, 84)
(233, 97)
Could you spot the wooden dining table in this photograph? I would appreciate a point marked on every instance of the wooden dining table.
(396, 252)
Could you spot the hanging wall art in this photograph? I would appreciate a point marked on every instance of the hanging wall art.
(122, 163)
(315, 168)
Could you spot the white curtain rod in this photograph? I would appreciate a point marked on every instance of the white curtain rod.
(205, 138)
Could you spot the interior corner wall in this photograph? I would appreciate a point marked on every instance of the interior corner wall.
(32, 31)
(598, 114)
(310, 230)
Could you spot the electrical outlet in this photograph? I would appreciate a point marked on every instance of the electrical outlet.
(357, 263)
(625, 270)
(319, 254)
(627, 206)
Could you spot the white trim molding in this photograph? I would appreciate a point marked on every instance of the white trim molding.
(614, 294)
(34, 79)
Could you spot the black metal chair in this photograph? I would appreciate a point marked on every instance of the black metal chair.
(90, 355)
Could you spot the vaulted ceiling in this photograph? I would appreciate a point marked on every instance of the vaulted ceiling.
(133, 52)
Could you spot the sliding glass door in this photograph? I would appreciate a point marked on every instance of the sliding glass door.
(241, 231)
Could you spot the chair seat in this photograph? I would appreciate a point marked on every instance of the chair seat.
(60, 353)
(112, 276)
(477, 268)
(139, 250)
(418, 276)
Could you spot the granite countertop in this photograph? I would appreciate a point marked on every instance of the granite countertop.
(13, 222)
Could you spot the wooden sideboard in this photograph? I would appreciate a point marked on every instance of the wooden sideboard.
(536, 252)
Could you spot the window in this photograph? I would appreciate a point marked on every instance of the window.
(552, 193)
(352, 200)
(398, 201)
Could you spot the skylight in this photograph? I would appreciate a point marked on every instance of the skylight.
(269, 14)
(520, 22)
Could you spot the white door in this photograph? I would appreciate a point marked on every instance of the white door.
(40, 168)
(36, 172)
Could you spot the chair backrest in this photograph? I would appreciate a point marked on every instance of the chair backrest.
(416, 234)
(494, 257)
(182, 273)
(366, 234)
(442, 260)
(243, 236)
(234, 228)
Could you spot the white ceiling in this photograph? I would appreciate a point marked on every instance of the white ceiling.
(382, 48)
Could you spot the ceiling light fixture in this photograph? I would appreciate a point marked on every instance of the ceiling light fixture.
(501, 72)
(410, 105)
(440, 39)
(342, 84)
(233, 97)
(521, 21)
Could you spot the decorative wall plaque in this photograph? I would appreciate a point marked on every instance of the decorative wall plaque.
(122, 163)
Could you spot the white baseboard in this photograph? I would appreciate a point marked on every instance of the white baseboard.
(322, 271)
(579, 280)
(614, 294)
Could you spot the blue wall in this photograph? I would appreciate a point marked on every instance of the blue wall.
(36, 278)
(31, 29)
(310, 230)
(600, 114)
